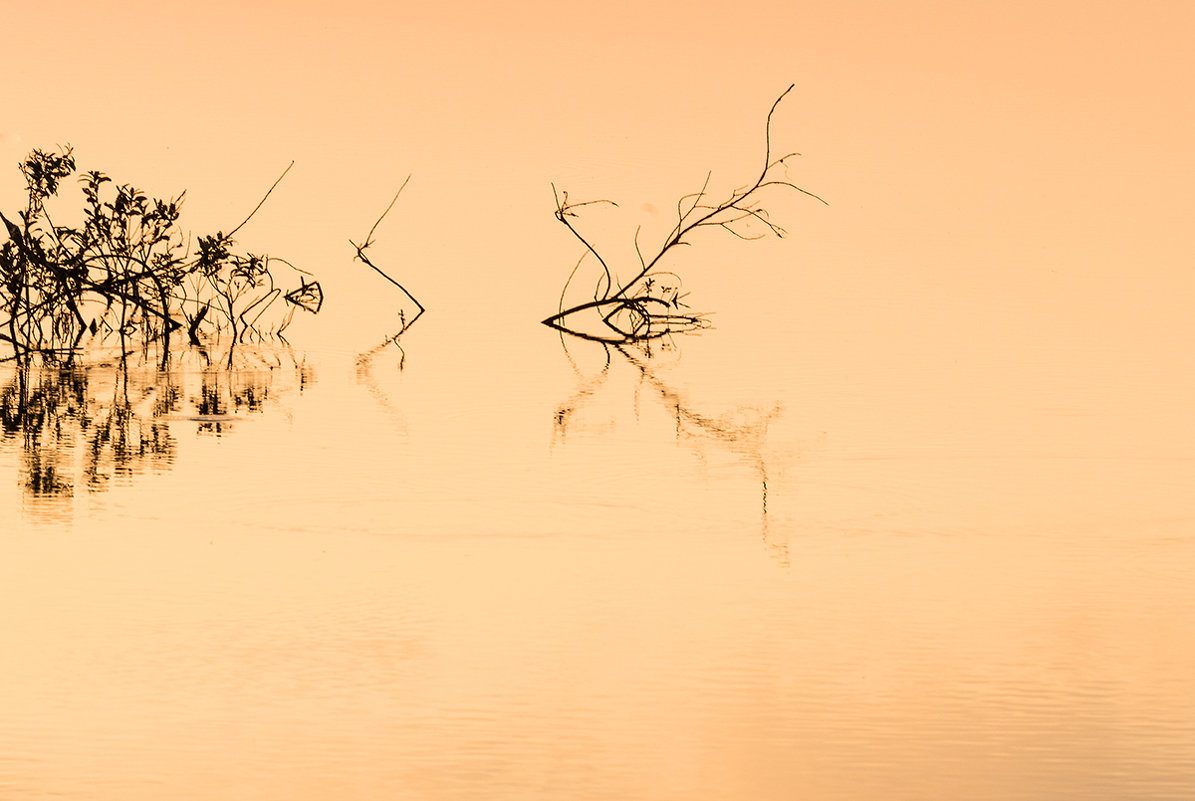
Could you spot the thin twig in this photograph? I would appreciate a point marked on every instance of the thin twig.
(369, 236)
(262, 201)
(365, 260)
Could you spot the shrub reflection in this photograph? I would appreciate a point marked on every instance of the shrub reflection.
(77, 429)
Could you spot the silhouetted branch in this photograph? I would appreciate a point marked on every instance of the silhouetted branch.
(631, 312)
(263, 200)
(405, 323)
(369, 236)
(565, 210)
(125, 271)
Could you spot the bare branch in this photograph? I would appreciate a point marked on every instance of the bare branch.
(638, 310)
(369, 236)
(263, 200)
(365, 260)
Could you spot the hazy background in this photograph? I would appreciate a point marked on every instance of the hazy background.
(973, 577)
(1019, 171)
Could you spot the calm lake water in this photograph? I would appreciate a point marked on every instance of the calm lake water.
(913, 521)
(753, 567)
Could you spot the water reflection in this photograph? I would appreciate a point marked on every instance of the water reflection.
(741, 430)
(365, 363)
(83, 429)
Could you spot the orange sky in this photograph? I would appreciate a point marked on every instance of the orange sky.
(1001, 162)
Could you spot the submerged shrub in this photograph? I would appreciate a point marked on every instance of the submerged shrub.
(124, 276)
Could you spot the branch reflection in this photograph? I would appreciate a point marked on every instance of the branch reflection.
(365, 362)
(742, 430)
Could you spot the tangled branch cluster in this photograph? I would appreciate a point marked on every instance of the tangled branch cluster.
(649, 305)
(125, 275)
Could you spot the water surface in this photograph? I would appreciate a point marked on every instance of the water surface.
(542, 572)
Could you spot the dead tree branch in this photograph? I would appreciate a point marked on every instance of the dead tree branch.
(636, 310)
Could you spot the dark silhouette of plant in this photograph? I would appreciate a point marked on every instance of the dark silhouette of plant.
(650, 304)
(124, 274)
(405, 320)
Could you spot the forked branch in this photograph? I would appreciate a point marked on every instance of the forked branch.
(404, 322)
(636, 310)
